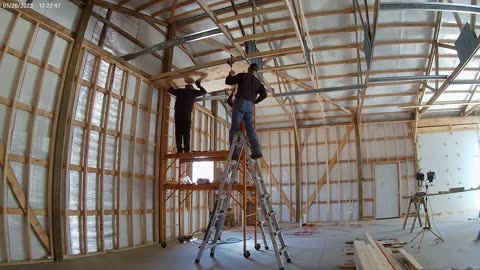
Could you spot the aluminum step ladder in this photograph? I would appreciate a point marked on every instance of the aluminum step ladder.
(267, 216)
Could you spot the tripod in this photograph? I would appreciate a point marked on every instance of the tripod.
(428, 226)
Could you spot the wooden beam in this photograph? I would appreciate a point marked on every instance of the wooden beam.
(168, 74)
(431, 58)
(446, 46)
(147, 5)
(124, 33)
(448, 121)
(62, 135)
(104, 29)
(262, 35)
(301, 36)
(252, 14)
(130, 12)
(331, 163)
(221, 62)
(460, 67)
(298, 174)
(411, 260)
(389, 255)
(457, 18)
(276, 183)
(358, 149)
(380, 256)
(162, 139)
(167, 10)
(22, 201)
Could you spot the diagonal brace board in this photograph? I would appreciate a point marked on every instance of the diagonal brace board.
(21, 199)
(276, 183)
(331, 163)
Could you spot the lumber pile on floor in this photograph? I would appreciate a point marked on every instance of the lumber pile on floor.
(370, 254)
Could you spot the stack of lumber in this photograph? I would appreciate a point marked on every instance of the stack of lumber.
(370, 254)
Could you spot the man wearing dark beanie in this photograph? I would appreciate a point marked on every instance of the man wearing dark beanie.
(249, 87)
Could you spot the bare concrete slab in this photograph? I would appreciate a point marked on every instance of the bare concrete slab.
(325, 249)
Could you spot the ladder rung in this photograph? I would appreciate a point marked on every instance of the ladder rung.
(282, 249)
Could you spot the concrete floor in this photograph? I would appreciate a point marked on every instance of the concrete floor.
(323, 250)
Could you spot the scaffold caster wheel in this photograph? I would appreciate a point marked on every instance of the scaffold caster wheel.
(212, 254)
(289, 260)
(266, 248)
(197, 260)
(257, 246)
(246, 254)
(163, 244)
(181, 239)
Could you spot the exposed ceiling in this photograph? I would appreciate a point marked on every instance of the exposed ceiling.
(330, 36)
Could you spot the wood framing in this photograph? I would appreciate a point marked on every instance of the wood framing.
(331, 163)
(162, 142)
(22, 199)
(62, 134)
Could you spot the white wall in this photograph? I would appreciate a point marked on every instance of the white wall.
(455, 159)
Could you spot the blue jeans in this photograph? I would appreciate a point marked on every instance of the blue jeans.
(243, 110)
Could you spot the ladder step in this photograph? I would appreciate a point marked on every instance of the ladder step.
(277, 232)
(282, 249)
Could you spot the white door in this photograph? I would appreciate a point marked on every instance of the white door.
(387, 196)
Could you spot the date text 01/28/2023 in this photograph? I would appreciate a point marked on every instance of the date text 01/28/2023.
(14, 5)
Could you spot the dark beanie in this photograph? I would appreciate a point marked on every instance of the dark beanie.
(254, 67)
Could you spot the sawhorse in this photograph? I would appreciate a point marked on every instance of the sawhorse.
(417, 201)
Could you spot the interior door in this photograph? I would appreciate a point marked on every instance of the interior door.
(387, 195)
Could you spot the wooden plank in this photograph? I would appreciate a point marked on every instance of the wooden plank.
(130, 12)
(7, 102)
(162, 139)
(120, 119)
(85, 189)
(62, 139)
(362, 256)
(381, 259)
(276, 183)
(448, 121)
(108, 98)
(146, 133)
(22, 200)
(133, 147)
(263, 35)
(331, 163)
(411, 260)
(252, 14)
(16, 93)
(37, 95)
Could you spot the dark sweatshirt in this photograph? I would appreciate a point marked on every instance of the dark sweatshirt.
(248, 87)
(185, 99)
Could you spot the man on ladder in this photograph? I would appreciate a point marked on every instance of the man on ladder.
(249, 86)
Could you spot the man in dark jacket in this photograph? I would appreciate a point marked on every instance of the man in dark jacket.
(249, 87)
(183, 113)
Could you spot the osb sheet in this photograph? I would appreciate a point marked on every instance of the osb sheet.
(213, 78)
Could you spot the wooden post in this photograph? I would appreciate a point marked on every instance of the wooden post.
(298, 181)
(359, 169)
(164, 109)
(61, 148)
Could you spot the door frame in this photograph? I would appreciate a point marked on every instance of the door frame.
(399, 185)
